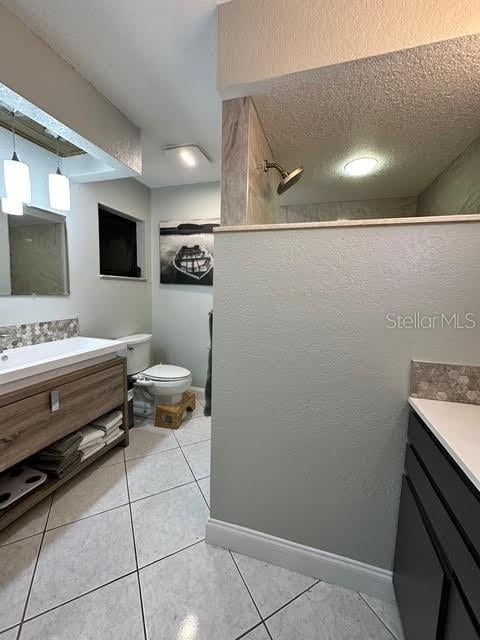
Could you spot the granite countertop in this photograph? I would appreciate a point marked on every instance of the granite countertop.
(457, 426)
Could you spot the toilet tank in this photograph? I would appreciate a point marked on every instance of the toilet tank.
(139, 351)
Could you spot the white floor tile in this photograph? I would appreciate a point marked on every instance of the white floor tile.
(156, 473)
(198, 456)
(387, 612)
(17, 562)
(204, 485)
(194, 430)
(11, 634)
(96, 489)
(111, 613)
(271, 586)
(260, 633)
(168, 522)
(146, 440)
(197, 593)
(327, 612)
(29, 524)
(82, 556)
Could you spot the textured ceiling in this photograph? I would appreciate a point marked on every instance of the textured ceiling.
(415, 110)
(154, 60)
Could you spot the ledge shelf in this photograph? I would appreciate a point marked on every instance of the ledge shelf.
(10, 514)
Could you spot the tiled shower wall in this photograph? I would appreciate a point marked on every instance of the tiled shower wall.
(22, 335)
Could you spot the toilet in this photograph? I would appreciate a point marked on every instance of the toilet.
(163, 383)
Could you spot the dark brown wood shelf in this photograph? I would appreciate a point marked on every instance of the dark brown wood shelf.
(10, 514)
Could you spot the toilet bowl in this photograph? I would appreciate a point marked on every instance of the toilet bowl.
(163, 383)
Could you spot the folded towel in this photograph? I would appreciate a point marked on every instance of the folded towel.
(113, 429)
(90, 436)
(52, 461)
(47, 454)
(62, 446)
(67, 469)
(90, 451)
(109, 421)
(59, 468)
(113, 436)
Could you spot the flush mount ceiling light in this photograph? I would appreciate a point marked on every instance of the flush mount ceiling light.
(190, 156)
(12, 207)
(17, 175)
(361, 166)
(59, 188)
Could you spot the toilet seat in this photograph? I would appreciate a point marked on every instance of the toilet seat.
(166, 373)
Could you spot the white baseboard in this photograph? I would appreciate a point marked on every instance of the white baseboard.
(323, 565)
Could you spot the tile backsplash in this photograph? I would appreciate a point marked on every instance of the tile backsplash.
(449, 382)
(23, 335)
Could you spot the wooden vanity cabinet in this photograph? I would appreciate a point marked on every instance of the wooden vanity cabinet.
(437, 559)
(35, 415)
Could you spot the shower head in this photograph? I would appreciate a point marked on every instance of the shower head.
(289, 178)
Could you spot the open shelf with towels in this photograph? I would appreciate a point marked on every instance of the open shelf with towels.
(37, 415)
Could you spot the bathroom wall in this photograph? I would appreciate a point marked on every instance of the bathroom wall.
(106, 308)
(180, 312)
(457, 188)
(310, 383)
(353, 210)
(261, 39)
(42, 77)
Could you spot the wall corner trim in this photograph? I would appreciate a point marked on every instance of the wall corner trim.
(344, 572)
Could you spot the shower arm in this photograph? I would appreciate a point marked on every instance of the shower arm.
(274, 165)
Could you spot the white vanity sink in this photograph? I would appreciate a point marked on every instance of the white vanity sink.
(41, 358)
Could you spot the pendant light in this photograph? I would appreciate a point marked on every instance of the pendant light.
(59, 188)
(17, 175)
(12, 207)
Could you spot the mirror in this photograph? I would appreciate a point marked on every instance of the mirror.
(410, 118)
(33, 254)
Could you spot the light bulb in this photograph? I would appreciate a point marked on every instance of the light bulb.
(187, 157)
(361, 166)
(17, 180)
(59, 191)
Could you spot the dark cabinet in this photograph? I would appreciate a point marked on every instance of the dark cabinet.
(437, 558)
(458, 624)
(418, 576)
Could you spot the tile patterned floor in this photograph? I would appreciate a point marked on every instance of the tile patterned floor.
(119, 554)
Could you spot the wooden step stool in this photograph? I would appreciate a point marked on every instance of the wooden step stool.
(170, 416)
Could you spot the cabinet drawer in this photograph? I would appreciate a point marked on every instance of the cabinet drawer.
(418, 576)
(455, 489)
(29, 424)
(459, 558)
(458, 623)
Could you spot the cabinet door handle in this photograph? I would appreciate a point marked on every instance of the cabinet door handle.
(55, 400)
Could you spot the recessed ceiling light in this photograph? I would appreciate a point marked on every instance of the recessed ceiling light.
(361, 166)
(189, 156)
